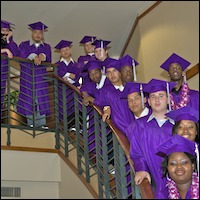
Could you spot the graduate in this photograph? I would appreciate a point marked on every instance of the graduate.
(89, 90)
(186, 122)
(128, 69)
(86, 42)
(70, 71)
(101, 52)
(8, 48)
(97, 81)
(181, 95)
(179, 168)
(34, 96)
(136, 99)
(147, 132)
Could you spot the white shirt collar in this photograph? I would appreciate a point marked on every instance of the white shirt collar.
(121, 87)
(36, 44)
(144, 113)
(160, 121)
(90, 54)
(67, 63)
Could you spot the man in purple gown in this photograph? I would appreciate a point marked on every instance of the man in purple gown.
(181, 94)
(147, 132)
(86, 42)
(34, 95)
(101, 52)
(8, 48)
(69, 70)
(89, 90)
(88, 48)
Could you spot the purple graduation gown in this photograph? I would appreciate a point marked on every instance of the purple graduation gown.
(86, 58)
(164, 194)
(25, 103)
(121, 115)
(84, 71)
(74, 68)
(144, 137)
(194, 98)
(90, 88)
(13, 47)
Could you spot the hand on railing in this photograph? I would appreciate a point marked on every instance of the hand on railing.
(106, 113)
(140, 176)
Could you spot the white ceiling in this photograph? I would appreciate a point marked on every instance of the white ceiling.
(72, 20)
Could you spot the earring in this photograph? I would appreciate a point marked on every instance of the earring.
(167, 176)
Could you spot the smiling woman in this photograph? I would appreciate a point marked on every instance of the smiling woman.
(179, 168)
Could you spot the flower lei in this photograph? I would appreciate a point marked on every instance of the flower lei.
(184, 98)
(173, 190)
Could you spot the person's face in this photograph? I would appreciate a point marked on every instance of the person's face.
(135, 103)
(127, 74)
(37, 35)
(113, 75)
(158, 101)
(100, 54)
(187, 129)
(95, 75)
(175, 72)
(5, 31)
(65, 52)
(88, 47)
(180, 168)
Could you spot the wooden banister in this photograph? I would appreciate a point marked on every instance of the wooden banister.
(192, 71)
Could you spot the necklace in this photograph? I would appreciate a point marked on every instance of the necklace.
(185, 97)
(173, 190)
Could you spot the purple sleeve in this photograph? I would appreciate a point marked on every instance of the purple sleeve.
(47, 52)
(12, 46)
(134, 133)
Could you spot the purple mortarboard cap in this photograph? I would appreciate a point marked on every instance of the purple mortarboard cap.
(176, 143)
(5, 24)
(184, 113)
(132, 87)
(127, 61)
(38, 26)
(115, 64)
(63, 44)
(100, 43)
(93, 64)
(156, 85)
(87, 39)
(174, 58)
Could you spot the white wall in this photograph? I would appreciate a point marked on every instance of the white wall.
(40, 175)
(171, 27)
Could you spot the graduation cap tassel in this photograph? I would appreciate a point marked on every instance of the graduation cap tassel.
(101, 48)
(134, 72)
(142, 95)
(197, 154)
(168, 97)
(184, 78)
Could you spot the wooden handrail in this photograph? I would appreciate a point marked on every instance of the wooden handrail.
(144, 187)
(192, 71)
